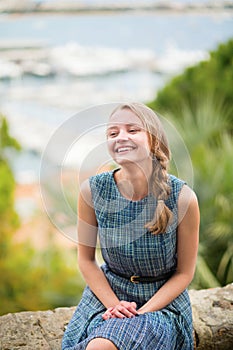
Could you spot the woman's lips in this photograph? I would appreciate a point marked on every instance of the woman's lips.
(124, 149)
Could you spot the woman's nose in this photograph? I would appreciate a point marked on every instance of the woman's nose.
(122, 135)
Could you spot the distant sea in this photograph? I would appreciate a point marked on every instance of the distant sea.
(85, 60)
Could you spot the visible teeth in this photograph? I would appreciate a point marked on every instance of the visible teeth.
(123, 149)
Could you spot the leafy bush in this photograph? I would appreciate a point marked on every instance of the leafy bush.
(30, 279)
(208, 78)
(205, 133)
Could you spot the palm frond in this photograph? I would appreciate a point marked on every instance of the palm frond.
(225, 269)
(204, 277)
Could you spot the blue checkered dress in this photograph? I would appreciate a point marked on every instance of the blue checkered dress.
(129, 249)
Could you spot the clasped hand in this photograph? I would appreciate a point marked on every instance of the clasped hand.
(124, 309)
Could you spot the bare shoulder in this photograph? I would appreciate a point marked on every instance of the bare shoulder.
(85, 192)
(187, 201)
(187, 195)
(86, 209)
(87, 222)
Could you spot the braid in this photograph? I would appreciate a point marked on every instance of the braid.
(161, 190)
(159, 186)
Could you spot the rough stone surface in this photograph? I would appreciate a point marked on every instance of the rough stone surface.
(212, 318)
(34, 330)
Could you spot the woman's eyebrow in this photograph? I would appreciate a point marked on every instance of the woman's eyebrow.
(134, 124)
(111, 128)
(127, 124)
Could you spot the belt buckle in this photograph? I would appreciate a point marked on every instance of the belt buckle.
(133, 279)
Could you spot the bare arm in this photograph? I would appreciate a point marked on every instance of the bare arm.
(188, 236)
(87, 236)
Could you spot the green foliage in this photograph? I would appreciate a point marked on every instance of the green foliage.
(213, 77)
(205, 133)
(30, 279)
(8, 216)
(6, 141)
(204, 277)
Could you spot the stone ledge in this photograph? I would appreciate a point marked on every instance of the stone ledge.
(212, 317)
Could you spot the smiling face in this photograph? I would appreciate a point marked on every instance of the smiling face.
(127, 138)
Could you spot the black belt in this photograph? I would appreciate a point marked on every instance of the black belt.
(147, 279)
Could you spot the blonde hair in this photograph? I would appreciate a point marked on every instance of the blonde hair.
(160, 153)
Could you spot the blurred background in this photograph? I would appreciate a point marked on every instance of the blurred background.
(58, 58)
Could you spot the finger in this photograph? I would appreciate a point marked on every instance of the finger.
(106, 316)
(134, 305)
(107, 313)
(130, 306)
(124, 303)
(123, 311)
(133, 308)
(109, 309)
(117, 314)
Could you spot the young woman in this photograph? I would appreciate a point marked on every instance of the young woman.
(147, 223)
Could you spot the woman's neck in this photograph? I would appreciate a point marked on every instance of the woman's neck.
(133, 182)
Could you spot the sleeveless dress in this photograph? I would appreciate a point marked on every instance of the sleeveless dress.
(130, 249)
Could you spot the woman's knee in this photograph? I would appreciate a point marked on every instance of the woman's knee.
(100, 344)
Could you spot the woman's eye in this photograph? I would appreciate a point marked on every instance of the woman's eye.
(112, 134)
(133, 130)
